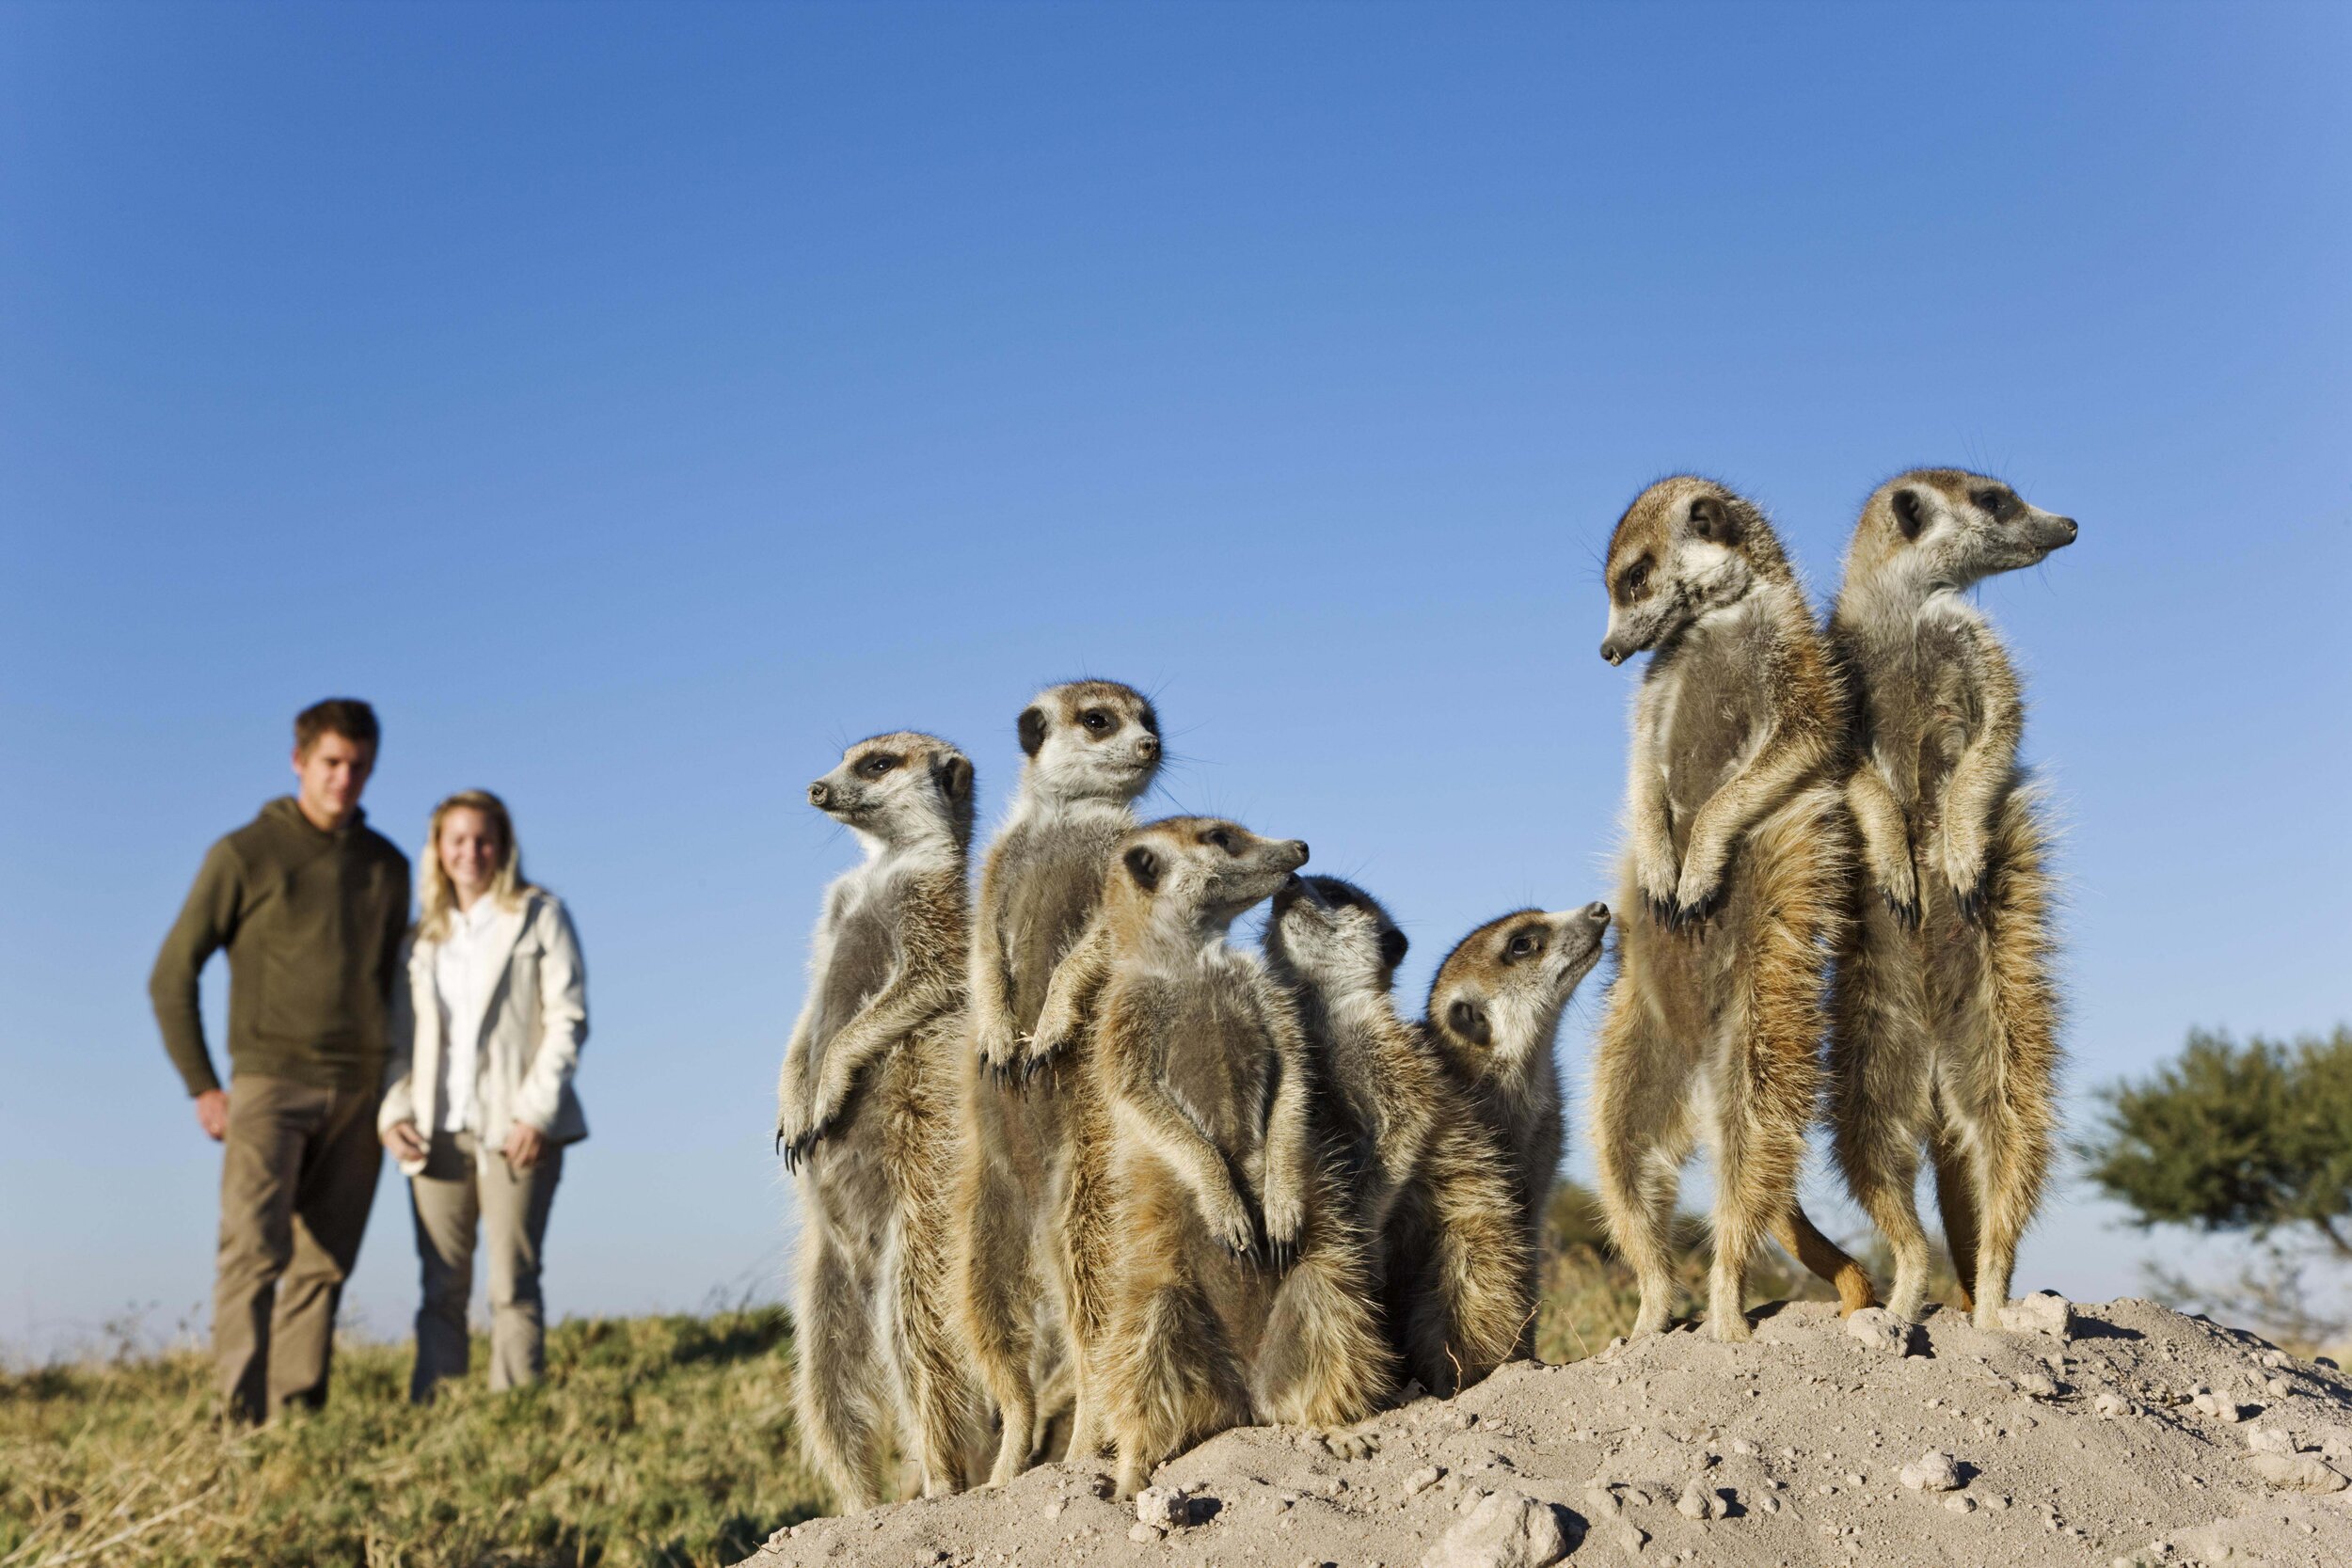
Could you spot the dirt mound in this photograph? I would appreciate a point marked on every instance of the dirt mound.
(2089, 1435)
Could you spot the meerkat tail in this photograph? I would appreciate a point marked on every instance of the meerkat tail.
(1802, 1240)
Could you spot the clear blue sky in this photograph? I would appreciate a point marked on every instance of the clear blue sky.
(637, 403)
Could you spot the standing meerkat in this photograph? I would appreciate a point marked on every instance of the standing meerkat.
(1945, 1017)
(1093, 747)
(866, 1118)
(1239, 1284)
(1494, 1010)
(1435, 1199)
(1733, 893)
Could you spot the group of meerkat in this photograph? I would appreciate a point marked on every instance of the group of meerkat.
(1077, 1172)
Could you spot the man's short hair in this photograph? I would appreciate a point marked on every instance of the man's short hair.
(345, 715)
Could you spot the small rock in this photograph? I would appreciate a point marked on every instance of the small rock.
(1701, 1502)
(1880, 1330)
(1509, 1529)
(1144, 1533)
(2220, 1407)
(2298, 1472)
(2278, 1388)
(1421, 1481)
(1633, 1537)
(1771, 1504)
(1932, 1471)
(2041, 1386)
(2111, 1405)
(1961, 1502)
(1163, 1507)
(2269, 1440)
(2274, 1358)
(2042, 1312)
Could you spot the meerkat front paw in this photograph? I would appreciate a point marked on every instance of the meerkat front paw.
(1044, 1046)
(1656, 876)
(1897, 882)
(1965, 868)
(1701, 891)
(1286, 1223)
(798, 1133)
(998, 1049)
(1230, 1222)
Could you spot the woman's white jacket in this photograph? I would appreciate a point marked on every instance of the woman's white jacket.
(532, 1032)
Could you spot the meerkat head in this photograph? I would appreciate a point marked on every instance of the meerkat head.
(1500, 993)
(1194, 876)
(1946, 529)
(1685, 547)
(900, 789)
(1334, 936)
(1089, 740)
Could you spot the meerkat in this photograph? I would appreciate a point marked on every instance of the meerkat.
(867, 1119)
(1494, 1013)
(1945, 1015)
(1240, 1283)
(1433, 1195)
(1092, 748)
(1732, 894)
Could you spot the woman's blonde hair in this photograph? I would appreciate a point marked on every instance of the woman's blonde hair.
(506, 886)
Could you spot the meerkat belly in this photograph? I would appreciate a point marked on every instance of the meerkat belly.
(1216, 1061)
(864, 950)
(1710, 733)
(1044, 912)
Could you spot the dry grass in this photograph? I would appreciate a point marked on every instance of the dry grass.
(654, 1441)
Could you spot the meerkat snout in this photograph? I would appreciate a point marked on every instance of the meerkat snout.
(819, 794)
(1597, 913)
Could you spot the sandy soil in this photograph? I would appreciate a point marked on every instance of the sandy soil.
(2119, 1433)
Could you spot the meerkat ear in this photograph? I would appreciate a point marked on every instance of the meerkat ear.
(955, 777)
(1032, 730)
(1468, 1020)
(1910, 516)
(1144, 867)
(1394, 946)
(1711, 520)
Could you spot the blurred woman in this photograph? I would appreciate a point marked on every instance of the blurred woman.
(478, 1101)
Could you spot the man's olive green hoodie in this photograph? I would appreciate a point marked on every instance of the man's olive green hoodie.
(313, 923)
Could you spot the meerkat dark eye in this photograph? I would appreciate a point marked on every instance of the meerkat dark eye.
(1636, 578)
(875, 766)
(1219, 837)
(1095, 720)
(1523, 946)
(1996, 504)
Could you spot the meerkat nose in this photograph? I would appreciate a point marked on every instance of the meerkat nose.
(1597, 912)
(2072, 531)
(818, 793)
(1148, 746)
(1609, 651)
(1300, 845)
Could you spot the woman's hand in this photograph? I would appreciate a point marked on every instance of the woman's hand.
(524, 1145)
(405, 1141)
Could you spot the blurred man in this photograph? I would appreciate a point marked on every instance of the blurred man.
(311, 905)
